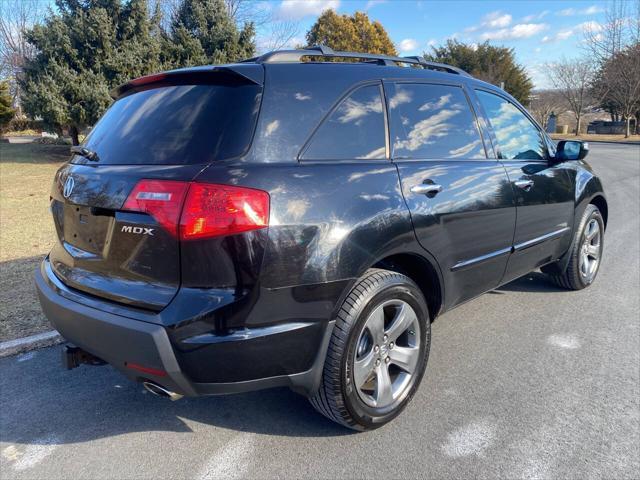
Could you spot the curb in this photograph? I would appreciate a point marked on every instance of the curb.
(612, 142)
(21, 345)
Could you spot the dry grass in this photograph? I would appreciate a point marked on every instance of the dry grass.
(595, 138)
(28, 132)
(26, 232)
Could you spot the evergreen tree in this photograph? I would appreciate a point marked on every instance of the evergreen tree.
(203, 32)
(350, 33)
(6, 108)
(487, 62)
(82, 52)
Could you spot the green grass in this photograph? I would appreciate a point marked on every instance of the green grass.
(26, 231)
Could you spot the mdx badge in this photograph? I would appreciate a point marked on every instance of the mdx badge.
(137, 230)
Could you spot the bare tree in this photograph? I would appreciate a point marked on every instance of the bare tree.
(621, 28)
(274, 32)
(244, 11)
(545, 102)
(620, 79)
(16, 16)
(573, 79)
(615, 46)
(281, 34)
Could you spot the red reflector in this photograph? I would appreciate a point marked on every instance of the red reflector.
(149, 370)
(208, 210)
(162, 199)
(213, 210)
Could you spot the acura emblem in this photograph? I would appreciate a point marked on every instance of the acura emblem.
(68, 187)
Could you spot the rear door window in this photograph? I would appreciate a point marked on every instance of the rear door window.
(354, 130)
(433, 121)
(518, 138)
(177, 125)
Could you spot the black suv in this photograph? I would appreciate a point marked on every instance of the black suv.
(296, 220)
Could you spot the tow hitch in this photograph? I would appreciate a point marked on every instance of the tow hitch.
(73, 357)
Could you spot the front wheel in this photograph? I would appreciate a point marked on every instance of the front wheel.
(377, 354)
(586, 252)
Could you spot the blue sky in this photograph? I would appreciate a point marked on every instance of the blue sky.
(539, 31)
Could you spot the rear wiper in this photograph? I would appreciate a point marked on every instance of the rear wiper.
(85, 152)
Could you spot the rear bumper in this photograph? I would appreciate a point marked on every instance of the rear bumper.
(124, 342)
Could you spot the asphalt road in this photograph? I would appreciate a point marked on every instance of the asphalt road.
(525, 382)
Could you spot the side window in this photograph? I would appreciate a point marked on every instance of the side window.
(433, 121)
(518, 138)
(354, 130)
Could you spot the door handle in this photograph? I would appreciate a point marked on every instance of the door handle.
(430, 189)
(524, 184)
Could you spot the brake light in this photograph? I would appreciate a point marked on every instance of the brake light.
(162, 199)
(147, 79)
(200, 210)
(214, 210)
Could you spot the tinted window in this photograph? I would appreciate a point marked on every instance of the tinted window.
(355, 129)
(433, 121)
(518, 138)
(177, 125)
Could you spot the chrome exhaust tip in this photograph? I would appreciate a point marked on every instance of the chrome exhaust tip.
(161, 391)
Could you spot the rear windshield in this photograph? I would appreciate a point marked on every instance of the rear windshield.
(172, 125)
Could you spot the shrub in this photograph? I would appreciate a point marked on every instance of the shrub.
(52, 141)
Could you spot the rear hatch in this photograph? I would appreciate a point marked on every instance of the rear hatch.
(116, 205)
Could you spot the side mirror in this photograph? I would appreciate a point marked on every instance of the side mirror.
(571, 150)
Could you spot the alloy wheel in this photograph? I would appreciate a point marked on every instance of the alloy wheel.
(387, 354)
(590, 251)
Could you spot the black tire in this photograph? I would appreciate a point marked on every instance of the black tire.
(572, 278)
(337, 398)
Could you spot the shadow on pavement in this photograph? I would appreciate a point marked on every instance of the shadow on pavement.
(40, 400)
(534, 282)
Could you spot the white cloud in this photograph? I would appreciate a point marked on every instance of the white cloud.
(591, 26)
(535, 16)
(564, 34)
(593, 9)
(570, 12)
(521, 30)
(297, 9)
(372, 3)
(567, 12)
(432, 42)
(558, 37)
(496, 26)
(495, 19)
(578, 29)
(408, 45)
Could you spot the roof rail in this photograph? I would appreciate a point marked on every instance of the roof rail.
(440, 66)
(295, 56)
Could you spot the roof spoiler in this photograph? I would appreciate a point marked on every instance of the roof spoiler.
(227, 74)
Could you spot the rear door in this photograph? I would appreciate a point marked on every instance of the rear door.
(461, 201)
(544, 191)
(164, 129)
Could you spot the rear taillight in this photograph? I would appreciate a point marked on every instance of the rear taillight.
(200, 210)
(162, 199)
(213, 210)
